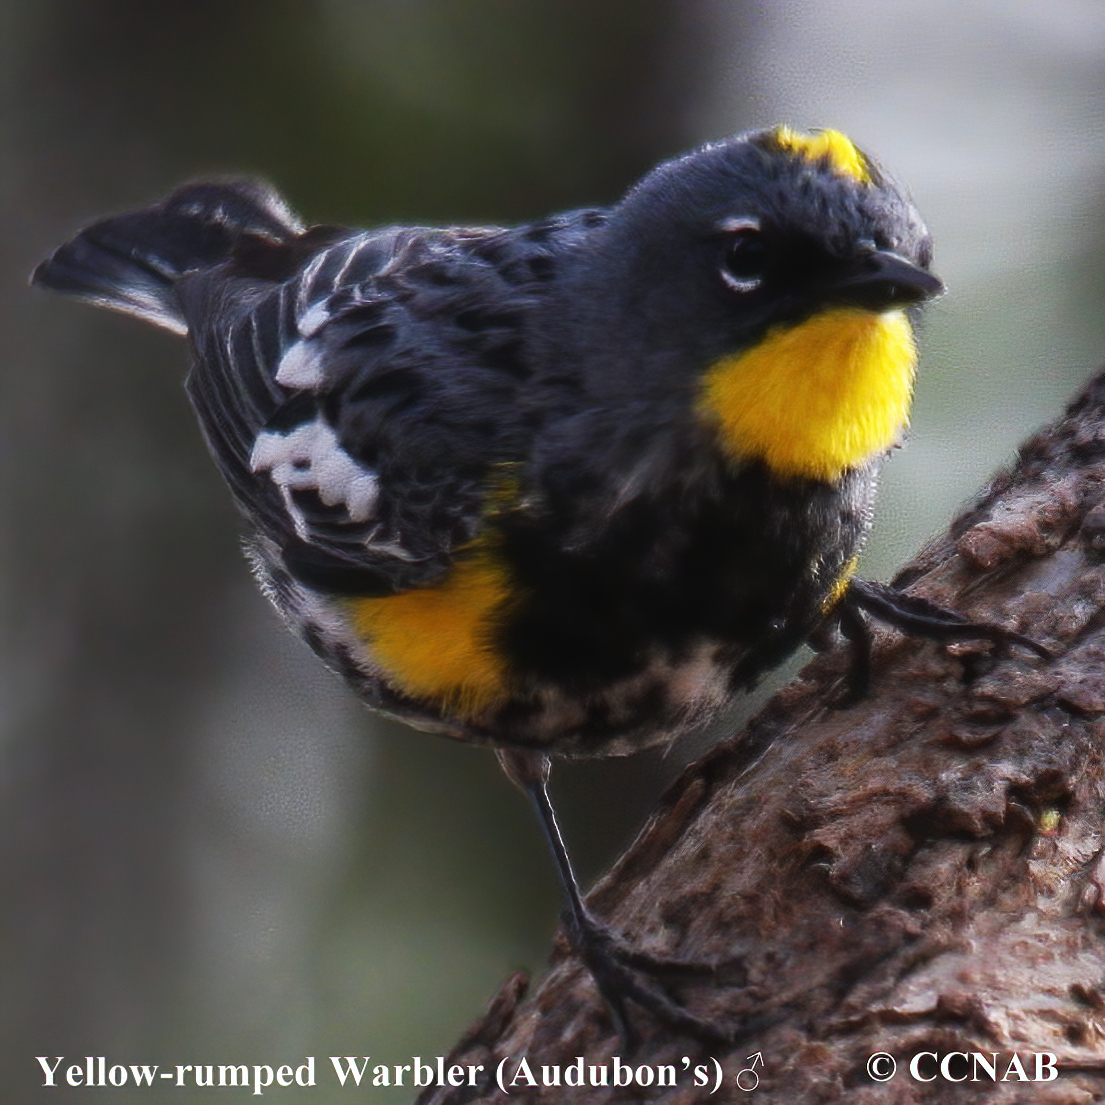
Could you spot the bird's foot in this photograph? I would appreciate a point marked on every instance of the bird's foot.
(917, 617)
(623, 974)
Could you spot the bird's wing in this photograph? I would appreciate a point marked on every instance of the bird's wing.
(357, 390)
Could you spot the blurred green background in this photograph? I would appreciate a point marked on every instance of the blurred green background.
(209, 853)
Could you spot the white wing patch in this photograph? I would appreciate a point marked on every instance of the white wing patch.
(309, 458)
(314, 319)
(301, 366)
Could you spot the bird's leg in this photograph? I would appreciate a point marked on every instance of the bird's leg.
(856, 631)
(913, 615)
(620, 971)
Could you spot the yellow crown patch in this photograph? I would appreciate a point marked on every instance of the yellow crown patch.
(831, 146)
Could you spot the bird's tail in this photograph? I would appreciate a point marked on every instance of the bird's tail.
(131, 263)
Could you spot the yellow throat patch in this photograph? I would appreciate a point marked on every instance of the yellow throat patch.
(816, 399)
(435, 643)
(837, 149)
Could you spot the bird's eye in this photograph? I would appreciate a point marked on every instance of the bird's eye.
(745, 260)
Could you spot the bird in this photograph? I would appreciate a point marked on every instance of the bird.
(566, 488)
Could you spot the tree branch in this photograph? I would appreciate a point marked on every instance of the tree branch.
(921, 872)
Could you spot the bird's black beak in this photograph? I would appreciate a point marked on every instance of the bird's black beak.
(880, 280)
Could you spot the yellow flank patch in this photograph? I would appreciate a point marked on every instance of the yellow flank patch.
(435, 643)
(817, 398)
(829, 145)
(841, 585)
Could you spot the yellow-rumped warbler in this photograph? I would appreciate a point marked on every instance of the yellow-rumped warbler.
(564, 488)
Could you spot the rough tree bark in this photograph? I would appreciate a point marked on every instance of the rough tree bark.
(923, 872)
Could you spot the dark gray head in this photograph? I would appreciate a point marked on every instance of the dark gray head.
(713, 249)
